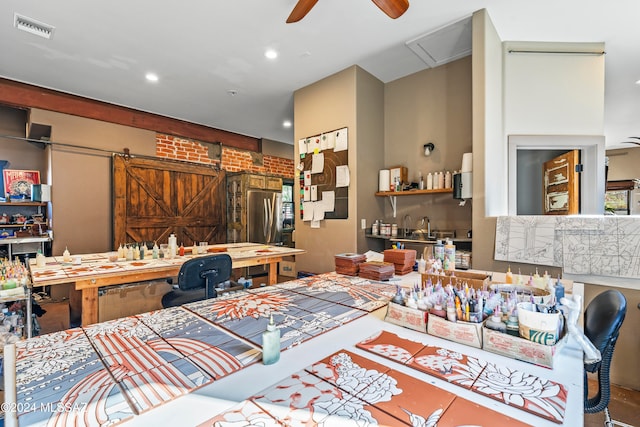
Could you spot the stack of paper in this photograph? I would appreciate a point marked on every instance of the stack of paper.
(402, 259)
(348, 263)
(376, 270)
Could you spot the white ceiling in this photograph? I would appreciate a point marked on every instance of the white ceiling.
(201, 49)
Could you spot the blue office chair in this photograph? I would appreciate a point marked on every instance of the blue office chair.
(198, 278)
(602, 321)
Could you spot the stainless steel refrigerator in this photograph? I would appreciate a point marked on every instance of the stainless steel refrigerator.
(264, 216)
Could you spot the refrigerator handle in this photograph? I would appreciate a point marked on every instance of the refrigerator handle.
(269, 220)
(265, 218)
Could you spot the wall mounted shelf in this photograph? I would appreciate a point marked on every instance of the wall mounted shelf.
(392, 195)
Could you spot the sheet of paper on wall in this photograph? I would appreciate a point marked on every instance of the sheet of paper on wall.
(329, 201)
(327, 141)
(307, 211)
(302, 146)
(342, 176)
(306, 193)
(317, 163)
(341, 140)
(315, 224)
(314, 144)
(314, 193)
(307, 178)
(318, 211)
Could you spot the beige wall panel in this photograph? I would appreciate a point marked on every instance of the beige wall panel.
(324, 106)
(433, 105)
(370, 152)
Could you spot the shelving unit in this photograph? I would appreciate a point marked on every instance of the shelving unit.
(392, 195)
(23, 244)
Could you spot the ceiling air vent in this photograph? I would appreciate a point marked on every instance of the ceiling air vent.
(32, 26)
(444, 45)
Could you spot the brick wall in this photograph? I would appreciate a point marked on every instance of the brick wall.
(233, 160)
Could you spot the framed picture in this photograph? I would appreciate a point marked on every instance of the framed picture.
(17, 183)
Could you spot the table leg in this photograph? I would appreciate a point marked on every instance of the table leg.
(89, 306)
(273, 273)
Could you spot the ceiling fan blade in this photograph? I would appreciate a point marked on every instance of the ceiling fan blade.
(631, 142)
(393, 8)
(300, 10)
(635, 137)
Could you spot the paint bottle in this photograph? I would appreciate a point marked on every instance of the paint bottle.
(509, 276)
(559, 291)
(271, 343)
(40, 259)
(447, 179)
(495, 322)
(173, 245)
(513, 326)
(450, 255)
(438, 251)
(155, 251)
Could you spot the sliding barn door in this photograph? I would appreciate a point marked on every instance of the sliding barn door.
(154, 198)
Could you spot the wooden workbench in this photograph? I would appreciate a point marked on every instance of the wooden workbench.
(96, 271)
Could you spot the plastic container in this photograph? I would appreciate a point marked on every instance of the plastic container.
(271, 343)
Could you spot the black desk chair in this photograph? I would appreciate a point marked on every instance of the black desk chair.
(602, 321)
(198, 278)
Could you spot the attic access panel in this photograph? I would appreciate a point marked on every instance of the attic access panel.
(444, 45)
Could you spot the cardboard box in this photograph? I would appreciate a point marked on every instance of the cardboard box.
(461, 332)
(520, 348)
(408, 317)
(288, 269)
(458, 278)
(127, 300)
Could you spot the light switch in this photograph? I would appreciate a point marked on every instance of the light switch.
(363, 224)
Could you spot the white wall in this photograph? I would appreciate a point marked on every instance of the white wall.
(553, 93)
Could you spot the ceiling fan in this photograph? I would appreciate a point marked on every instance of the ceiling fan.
(393, 8)
(633, 142)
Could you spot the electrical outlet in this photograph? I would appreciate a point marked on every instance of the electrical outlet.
(363, 224)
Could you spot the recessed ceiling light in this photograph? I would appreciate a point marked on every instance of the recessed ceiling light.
(638, 82)
(271, 54)
(232, 92)
(151, 77)
(286, 124)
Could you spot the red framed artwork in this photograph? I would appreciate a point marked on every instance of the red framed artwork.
(17, 183)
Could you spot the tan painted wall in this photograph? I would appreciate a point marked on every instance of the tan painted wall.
(351, 98)
(81, 179)
(433, 105)
(370, 151)
(623, 163)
